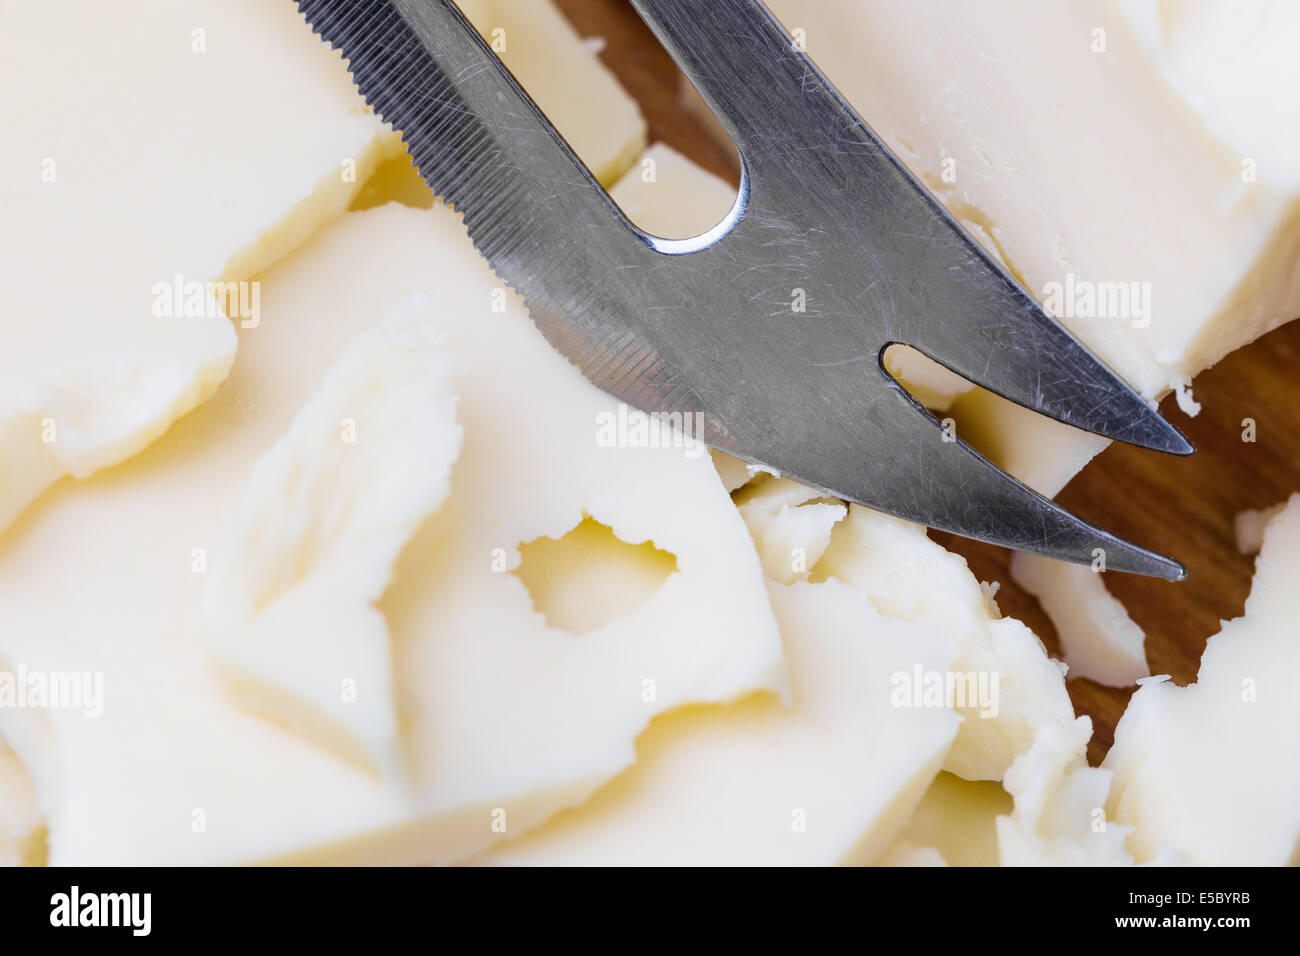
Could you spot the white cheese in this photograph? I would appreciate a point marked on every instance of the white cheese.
(910, 577)
(790, 528)
(1248, 527)
(110, 581)
(586, 578)
(930, 383)
(830, 779)
(22, 833)
(733, 472)
(669, 196)
(958, 820)
(902, 852)
(1212, 770)
(1059, 817)
(289, 607)
(1098, 638)
(161, 146)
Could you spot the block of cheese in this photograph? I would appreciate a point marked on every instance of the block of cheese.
(504, 720)
(1059, 818)
(1098, 638)
(1145, 122)
(1212, 770)
(124, 195)
(830, 779)
(289, 609)
(908, 576)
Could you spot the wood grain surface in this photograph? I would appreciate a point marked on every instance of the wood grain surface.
(1183, 507)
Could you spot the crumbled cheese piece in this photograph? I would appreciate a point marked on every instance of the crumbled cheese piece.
(1099, 639)
(1212, 770)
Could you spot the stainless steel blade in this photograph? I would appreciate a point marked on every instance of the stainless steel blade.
(706, 325)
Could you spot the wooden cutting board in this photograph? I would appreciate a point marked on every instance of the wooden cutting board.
(1184, 507)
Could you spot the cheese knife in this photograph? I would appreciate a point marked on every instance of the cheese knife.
(704, 326)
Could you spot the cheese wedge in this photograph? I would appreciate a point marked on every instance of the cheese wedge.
(1142, 127)
(289, 607)
(503, 720)
(1212, 770)
(124, 195)
(830, 779)
(1098, 638)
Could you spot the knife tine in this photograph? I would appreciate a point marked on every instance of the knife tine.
(938, 480)
(988, 329)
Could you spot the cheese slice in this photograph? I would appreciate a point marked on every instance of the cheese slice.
(289, 607)
(788, 781)
(830, 779)
(1059, 818)
(125, 195)
(503, 720)
(910, 577)
(1211, 770)
(1141, 124)
(1098, 638)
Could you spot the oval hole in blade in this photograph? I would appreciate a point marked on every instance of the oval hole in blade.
(563, 53)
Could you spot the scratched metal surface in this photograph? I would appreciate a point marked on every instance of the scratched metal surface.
(706, 325)
(1186, 503)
